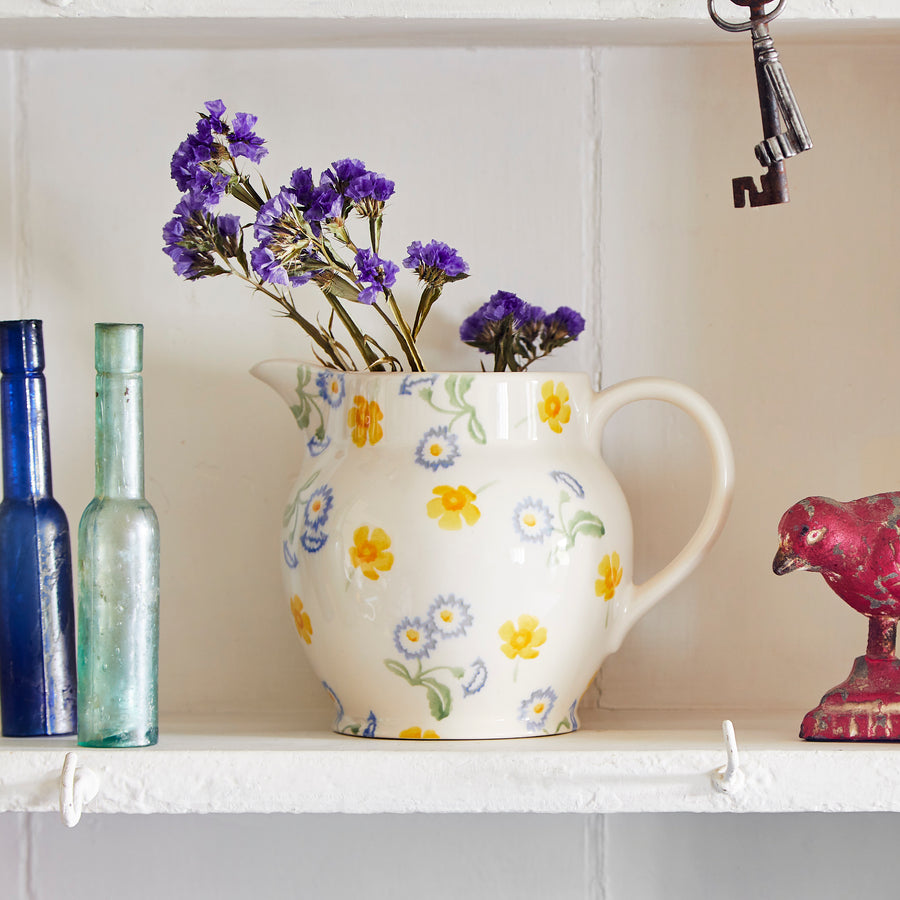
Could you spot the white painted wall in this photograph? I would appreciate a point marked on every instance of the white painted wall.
(599, 178)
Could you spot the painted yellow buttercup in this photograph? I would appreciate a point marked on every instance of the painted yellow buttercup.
(522, 640)
(610, 572)
(417, 734)
(553, 407)
(370, 553)
(301, 619)
(452, 506)
(364, 420)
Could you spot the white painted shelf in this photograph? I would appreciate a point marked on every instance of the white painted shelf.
(628, 762)
(380, 23)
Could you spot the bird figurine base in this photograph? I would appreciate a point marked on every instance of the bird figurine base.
(865, 707)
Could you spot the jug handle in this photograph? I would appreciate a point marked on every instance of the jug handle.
(612, 399)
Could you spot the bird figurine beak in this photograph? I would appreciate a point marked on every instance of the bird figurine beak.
(785, 561)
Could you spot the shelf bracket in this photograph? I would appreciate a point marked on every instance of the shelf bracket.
(729, 779)
(78, 785)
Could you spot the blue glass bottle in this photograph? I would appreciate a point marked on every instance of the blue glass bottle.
(37, 617)
(118, 560)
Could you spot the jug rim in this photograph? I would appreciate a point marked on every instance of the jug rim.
(557, 374)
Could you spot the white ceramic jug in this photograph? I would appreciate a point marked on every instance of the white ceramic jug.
(457, 556)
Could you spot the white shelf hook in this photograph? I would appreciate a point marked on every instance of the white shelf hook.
(729, 779)
(78, 785)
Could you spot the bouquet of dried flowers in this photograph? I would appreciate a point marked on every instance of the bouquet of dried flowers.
(302, 235)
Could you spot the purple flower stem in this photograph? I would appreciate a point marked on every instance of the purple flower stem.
(371, 360)
(408, 343)
(398, 335)
(320, 339)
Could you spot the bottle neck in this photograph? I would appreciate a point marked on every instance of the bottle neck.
(26, 436)
(119, 444)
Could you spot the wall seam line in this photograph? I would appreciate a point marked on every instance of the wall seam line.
(20, 177)
(594, 255)
(31, 892)
(595, 884)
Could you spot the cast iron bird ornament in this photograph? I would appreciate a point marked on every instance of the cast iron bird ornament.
(856, 548)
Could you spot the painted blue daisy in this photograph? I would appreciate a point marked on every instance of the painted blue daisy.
(412, 381)
(438, 449)
(315, 515)
(533, 521)
(312, 541)
(414, 638)
(331, 387)
(474, 678)
(449, 616)
(317, 446)
(371, 725)
(566, 480)
(536, 709)
(573, 721)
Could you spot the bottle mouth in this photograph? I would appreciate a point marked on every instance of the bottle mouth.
(118, 348)
(21, 346)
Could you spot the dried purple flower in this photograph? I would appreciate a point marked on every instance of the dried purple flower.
(191, 153)
(216, 109)
(301, 234)
(208, 188)
(229, 225)
(243, 141)
(342, 173)
(273, 210)
(303, 186)
(192, 236)
(284, 255)
(435, 262)
(376, 273)
(370, 186)
(563, 325)
(529, 323)
(267, 266)
(324, 204)
(517, 333)
(196, 163)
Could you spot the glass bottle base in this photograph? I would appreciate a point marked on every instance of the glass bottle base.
(123, 739)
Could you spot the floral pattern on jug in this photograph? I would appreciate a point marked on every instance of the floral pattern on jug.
(450, 536)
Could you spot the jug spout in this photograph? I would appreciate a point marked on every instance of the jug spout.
(280, 375)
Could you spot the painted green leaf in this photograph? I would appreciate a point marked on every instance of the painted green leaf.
(476, 430)
(464, 384)
(586, 523)
(450, 387)
(301, 413)
(439, 700)
(398, 669)
(596, 531)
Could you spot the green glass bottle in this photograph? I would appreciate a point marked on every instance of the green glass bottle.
(118, 561)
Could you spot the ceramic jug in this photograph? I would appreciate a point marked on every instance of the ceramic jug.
(456, 554)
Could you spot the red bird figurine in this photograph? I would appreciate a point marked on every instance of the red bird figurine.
(856, 548)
